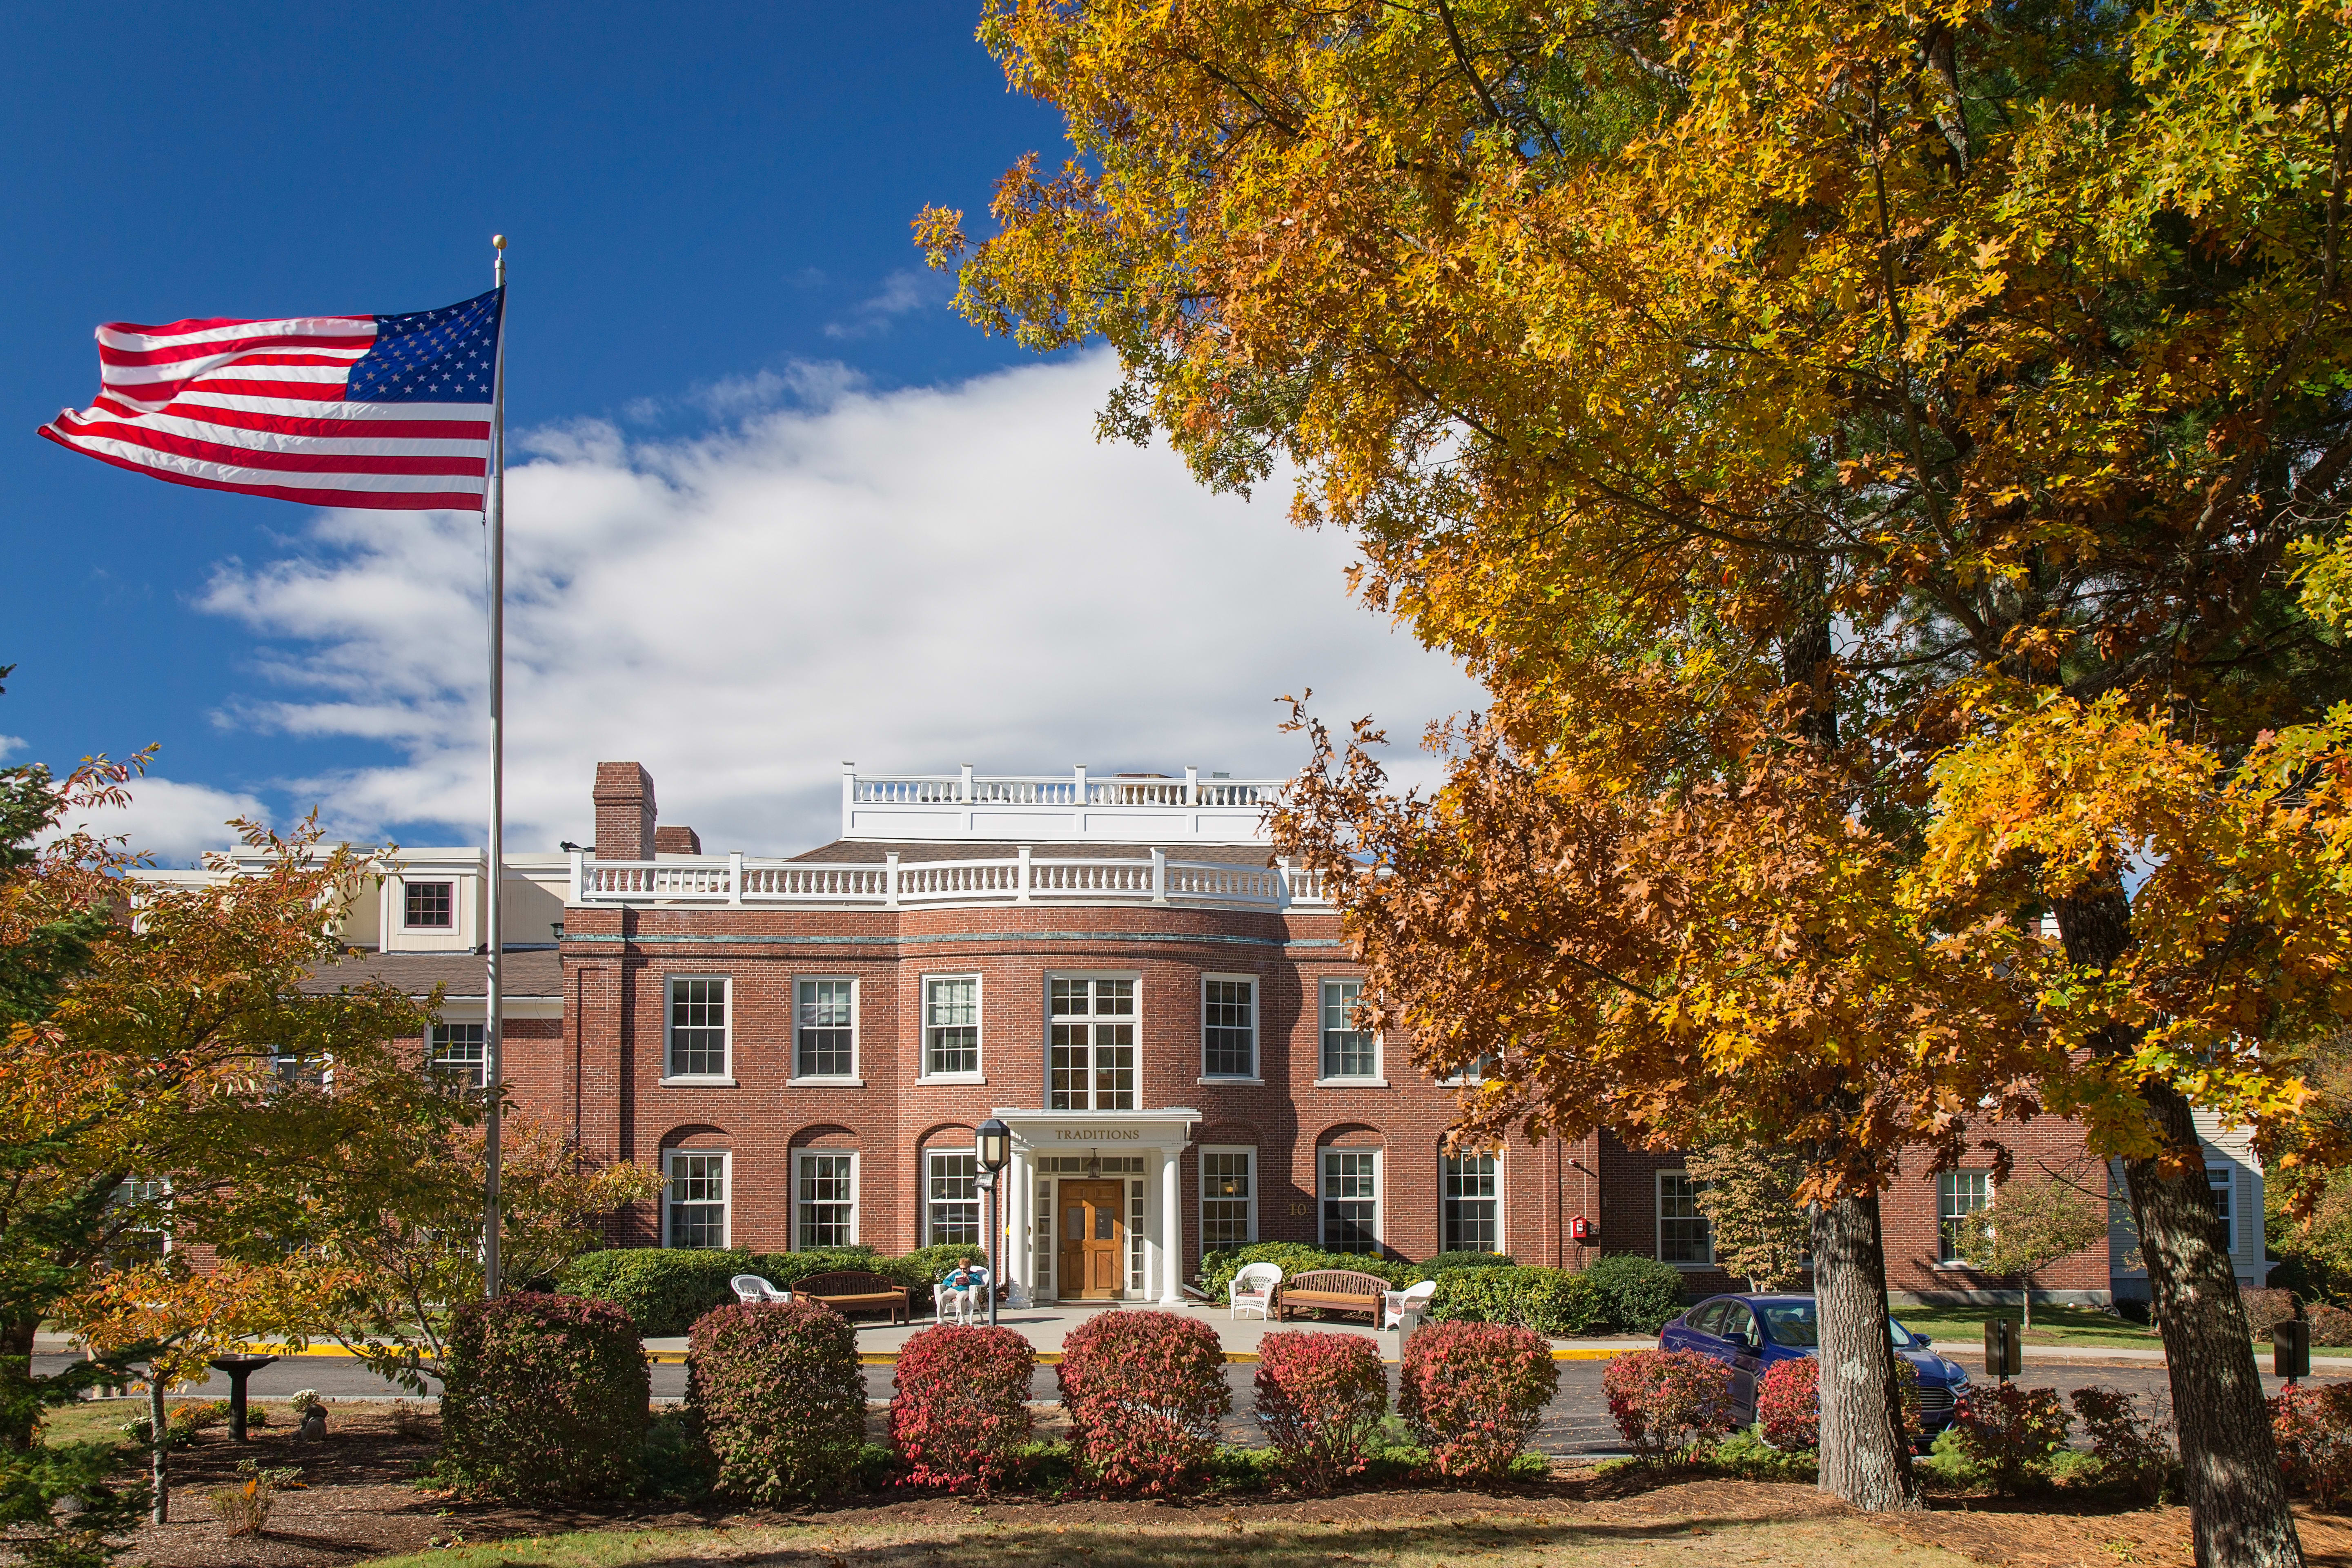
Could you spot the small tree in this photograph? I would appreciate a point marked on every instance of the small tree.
(1749, 1194)
(2032, 1224)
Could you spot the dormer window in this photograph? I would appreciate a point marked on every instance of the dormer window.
(429, 906)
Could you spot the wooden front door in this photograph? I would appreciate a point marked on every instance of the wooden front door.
(1094, 1239)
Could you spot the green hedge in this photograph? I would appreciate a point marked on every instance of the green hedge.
(667, 1289)
(1219, 1266)
(1641, 1292)
(1558, 1302)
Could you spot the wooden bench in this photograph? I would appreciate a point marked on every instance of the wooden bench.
(855, 1290)
(1330, 1290)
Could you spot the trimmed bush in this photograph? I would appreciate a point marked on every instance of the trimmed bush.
(960, 1414)
(2128, 1447)
(774, 1391)
(545, 1397)
(926, 1266)
(1641, 1293)
(1320, 1399)
(2330, 1325)
(1669, 1406)
(1788, 1404)
(2266, 1308)
(1473, 1393)
(663, 1289)
(1436, 1267)
(1557, 1302)
(1219, 1266)
(2314, 1430)
(1144, 1391)
(2010, 1434)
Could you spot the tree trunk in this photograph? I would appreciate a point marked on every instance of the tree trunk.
(2238, 1504)
(159, 1455)
(19, 1411)
(1865, 1456)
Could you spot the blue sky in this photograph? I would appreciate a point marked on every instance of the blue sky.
(725, 360)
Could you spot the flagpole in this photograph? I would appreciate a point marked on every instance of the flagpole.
(494, 509)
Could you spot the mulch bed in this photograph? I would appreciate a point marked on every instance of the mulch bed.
(360, 1499)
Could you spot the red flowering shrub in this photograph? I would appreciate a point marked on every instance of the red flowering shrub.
(1144, 1391)
(545, 1397)
(2011, 1432)
(1790, 1403)
(1321, 1398)
(2313, 1428)
(1668, 1403)
(776, 1393)
(2128, 1446)
(1472, 1393)
(960, 1412)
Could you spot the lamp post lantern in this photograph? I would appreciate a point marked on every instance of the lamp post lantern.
(992, 1148)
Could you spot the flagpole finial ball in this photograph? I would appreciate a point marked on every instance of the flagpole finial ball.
(498, 242)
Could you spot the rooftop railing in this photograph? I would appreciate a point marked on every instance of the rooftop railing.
(1127, 809)
(741, 881)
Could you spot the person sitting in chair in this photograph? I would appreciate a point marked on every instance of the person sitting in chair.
(959, 1293)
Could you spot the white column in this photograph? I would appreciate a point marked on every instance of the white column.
(1022, 1244)
(1171, 1226)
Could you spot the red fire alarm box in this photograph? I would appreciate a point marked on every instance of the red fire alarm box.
(1582, 1229)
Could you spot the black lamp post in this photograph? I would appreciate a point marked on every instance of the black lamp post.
(992, 1147)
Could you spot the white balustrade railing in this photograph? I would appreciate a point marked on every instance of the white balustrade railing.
(736, 881)
(1074, 788)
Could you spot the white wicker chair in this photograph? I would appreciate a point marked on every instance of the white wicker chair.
(1394, 1302)
(965, 1304)
(751, 1287)
(1253, 1289)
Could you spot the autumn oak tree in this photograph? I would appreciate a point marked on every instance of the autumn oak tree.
(1794, 416)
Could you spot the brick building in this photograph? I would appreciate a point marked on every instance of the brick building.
(1117, 968)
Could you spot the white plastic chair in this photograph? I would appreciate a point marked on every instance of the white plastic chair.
(1394, 1302)
(964, 1303)
(752, 1288)
(1253, 1289)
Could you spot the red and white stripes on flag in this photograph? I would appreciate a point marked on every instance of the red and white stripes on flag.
(388, 411)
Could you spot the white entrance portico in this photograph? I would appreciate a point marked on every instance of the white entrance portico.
(1142, 1153)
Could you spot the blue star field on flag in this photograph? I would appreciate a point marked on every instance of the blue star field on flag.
(448, 356)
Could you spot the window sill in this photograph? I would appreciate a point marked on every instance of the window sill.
(1692, 1268)
(1351, 1083)
(932, 1077)
(824, 1083)
(1226, 1078)
(696, 1080)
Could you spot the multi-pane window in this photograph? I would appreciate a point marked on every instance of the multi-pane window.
(1351, 1212)
(1228, 1198)
(828, 1201)
(460, 1054)
(1347, 1050)
(697, 1199)
(1092, 1047)
(1473, 1211)
(1961, 1196)
(1683, 1238)
(1228, 1028)
(698, 1026)
(2220, 1184)
(1475, 1073)
(951, 1026)
(142, 1236)
(951, 1198)
(825, 1031)
(427, 905)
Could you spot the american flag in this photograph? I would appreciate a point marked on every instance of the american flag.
(391, 412)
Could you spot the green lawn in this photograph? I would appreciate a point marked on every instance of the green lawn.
(1960, 1330)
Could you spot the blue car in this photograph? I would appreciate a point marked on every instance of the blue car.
(1748, 1334)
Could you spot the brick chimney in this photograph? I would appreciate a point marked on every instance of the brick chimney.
(625, 812)
(677, 841)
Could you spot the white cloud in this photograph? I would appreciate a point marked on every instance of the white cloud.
(172, 821)
(913, 580)
(903, 291)
(10, 746)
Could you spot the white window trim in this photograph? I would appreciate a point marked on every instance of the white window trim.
(1658, 1224)
(1258, 1043)
(448, 928)
(854, 1077)
(857, 1185)
(726, 1176)
(1201, 1169)
(2230, 1169)
(1380, 1189)
(669, 1012)
(1379, 1079)
(1045, 1041)
(1459, 1079)
(1992, 1191)
(923, 1190)
(923, 1073)
(1502, 1201)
